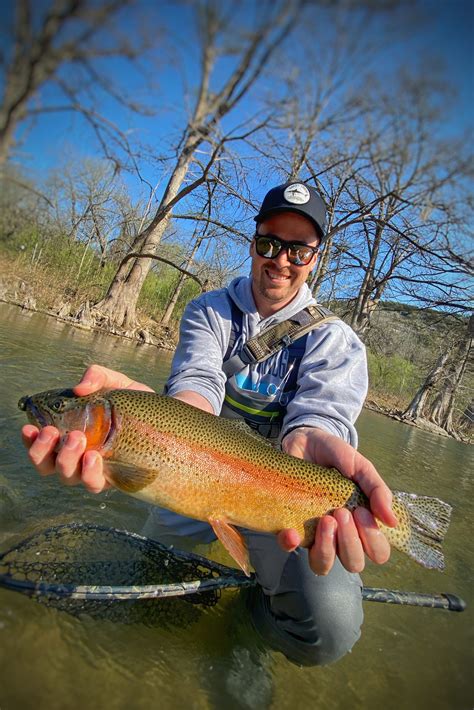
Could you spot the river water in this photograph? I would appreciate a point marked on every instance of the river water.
(407, 657)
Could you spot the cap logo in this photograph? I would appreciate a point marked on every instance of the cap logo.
(297, 194)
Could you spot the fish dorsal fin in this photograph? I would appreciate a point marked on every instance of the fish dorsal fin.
(241, 426)
(233, 542)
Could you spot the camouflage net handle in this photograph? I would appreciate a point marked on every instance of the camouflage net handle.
(90, 563)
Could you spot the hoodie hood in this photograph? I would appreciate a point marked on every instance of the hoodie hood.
(240, 291)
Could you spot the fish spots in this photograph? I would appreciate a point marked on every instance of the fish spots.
(177, 456)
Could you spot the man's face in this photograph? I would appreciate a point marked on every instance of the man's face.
(275, 282)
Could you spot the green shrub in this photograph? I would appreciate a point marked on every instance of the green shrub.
(393, 374)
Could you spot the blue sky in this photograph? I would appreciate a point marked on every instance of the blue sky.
(443, 34)
(450, 34)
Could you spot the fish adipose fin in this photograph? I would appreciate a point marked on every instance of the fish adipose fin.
(428, 521)
(233, 542)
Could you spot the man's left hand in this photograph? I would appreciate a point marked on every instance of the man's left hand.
(351, 536)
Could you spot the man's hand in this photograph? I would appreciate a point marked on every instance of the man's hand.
(345, 534)
(71, 463)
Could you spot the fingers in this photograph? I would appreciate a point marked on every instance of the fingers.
(381, 505)
(71, 463)
(29, 434)
(349, 545)
(69, 458)
(352, 535)
(93, 472)
(323, 553)
(375, 544)
(379, 494)
(97, 377)
(41, 447)
(358, 535)
(288, 540)
(349, 536)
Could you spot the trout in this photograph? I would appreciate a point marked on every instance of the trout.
(176, 456)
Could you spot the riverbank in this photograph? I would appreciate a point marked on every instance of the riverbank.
(34, 292)
(379, 406)
(16, 291)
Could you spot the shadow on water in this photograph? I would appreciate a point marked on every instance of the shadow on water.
(410, 658)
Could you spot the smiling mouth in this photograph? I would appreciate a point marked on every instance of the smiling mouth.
(276, 277)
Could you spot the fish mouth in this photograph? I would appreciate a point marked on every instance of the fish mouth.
(35, 415)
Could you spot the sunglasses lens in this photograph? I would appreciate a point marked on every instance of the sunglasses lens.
(299, 255)
(267, 248)
(270, 247)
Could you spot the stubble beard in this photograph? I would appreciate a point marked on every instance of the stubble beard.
(277, 293)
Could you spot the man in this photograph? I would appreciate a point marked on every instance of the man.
(308, 392)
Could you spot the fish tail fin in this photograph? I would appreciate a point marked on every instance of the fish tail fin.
(427, 520)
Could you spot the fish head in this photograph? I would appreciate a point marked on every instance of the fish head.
(67, 412)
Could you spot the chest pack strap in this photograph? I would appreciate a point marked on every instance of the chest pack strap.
(277, 337)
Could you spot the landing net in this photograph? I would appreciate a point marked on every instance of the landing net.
(89, 569)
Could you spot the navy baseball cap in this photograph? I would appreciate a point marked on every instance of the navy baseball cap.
(295, 197)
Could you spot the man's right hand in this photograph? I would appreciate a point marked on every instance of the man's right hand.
(71, 462)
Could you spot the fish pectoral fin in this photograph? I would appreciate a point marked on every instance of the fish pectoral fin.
(128, 477)
(233, 542)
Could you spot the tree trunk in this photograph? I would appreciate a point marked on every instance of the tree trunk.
(416, 406)
(179, 286)
(441, 411)
(120, 302)
(467, 419)
(323, 262)
(321, 268)
(365, 305)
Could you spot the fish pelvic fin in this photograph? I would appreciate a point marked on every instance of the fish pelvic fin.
(233, 542)
(427, 520)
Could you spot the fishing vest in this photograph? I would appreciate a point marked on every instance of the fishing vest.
(260, 393)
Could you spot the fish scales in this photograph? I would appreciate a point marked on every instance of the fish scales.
(229, 472)
(171, 454)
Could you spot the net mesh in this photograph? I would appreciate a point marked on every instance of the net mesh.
(88, 569)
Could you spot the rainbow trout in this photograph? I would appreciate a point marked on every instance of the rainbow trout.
(173, 455)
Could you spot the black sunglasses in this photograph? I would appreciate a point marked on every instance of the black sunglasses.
(269, 246)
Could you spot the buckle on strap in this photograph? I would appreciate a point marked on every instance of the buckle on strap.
(247, 354)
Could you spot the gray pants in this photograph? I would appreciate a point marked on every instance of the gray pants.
(312, 620)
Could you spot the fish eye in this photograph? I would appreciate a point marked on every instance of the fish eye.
(57, 405)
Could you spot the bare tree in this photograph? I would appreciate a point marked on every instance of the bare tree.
(416, 407)
(435, 400)
(251, 50)
(199, 236)
(441, 410)
(466, 423)
(390, 238)
(44, 45)
(91, 203)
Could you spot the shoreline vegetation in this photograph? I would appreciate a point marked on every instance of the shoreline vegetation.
(37, 290)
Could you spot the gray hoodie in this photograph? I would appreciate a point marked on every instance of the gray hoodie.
(332, 377)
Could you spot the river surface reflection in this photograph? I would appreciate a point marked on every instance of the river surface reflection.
(407, 657)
